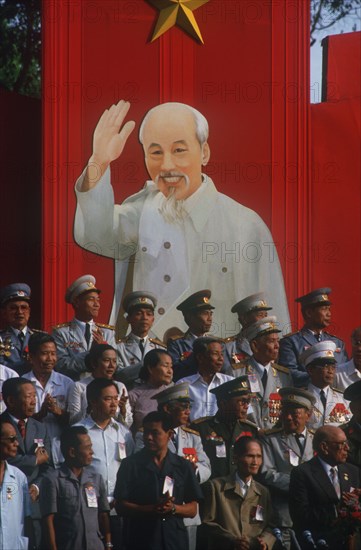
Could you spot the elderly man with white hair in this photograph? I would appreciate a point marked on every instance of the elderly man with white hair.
(185, 235)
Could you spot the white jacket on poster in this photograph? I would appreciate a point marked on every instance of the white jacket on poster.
(221, 245)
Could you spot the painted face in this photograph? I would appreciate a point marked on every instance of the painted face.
(141, 320)
(8, 441)
(173, 152)
(44, 360)
(106, 365)
(162, 373)
(16, 314)
(87, 306)
(155, 437)
(250, 462)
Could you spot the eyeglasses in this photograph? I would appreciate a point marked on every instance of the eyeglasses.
(338, 444)
(11, 438)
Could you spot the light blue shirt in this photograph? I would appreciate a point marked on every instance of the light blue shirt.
(110, 446)
(14, 508)
(204, 403)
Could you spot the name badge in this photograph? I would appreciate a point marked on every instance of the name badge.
(168, 486)
(294, 459)
(254, 383)
(39, 443)
(91, 497)
(221, 451)
(256, 514)
(122, 453)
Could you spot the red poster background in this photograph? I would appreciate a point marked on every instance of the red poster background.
(295, 165)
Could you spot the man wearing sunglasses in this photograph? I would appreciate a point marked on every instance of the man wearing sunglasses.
(330, 408)
(14, 493)
(220, 432)
(284, 448)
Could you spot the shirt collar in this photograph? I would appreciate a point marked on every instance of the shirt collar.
(83, 323)
(326, 466)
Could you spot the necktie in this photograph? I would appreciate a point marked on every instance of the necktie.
(141, 345)
(323, 398)
(21, 427)
(264, 379)
(21, 337)
(300, 442)
(87, 334)
(335, 481)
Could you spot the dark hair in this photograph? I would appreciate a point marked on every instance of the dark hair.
(11, 387)
(240, 446)
(94, 389)
(151, 360)
(159, 416)
(95, 353)
(37, 339)
(69, 438)
(201, 345)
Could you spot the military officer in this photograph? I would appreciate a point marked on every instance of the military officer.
(75, 338)
(185, 442)
(220, 432)
(139, 307)
(249, 310)
(352, 428)
(14, 338)
(198, 313)
(316, 311)
(350, 372)
(330, 407)
(265, 376)
(283, 448)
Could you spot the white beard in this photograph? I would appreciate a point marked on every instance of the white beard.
(170, 208)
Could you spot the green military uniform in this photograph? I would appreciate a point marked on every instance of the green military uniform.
(218, 438)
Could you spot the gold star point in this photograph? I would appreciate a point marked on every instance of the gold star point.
(177, 12)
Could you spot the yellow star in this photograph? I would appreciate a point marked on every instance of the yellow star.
(177, 12)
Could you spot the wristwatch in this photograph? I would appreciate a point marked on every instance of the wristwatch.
(108, 545)
(173, 511)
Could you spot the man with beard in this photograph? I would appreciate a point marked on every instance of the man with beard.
(179, 227)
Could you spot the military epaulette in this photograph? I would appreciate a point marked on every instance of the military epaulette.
(175, 338)
(62, 325)
(311, 431)
(240, 365)
(281, 368)
(158, 342)
(36, 330)
(202, 419)
(229, 339)
(121, 340)
(103, 325)
(141, 430)
(338, 390)
(290, 334)
(190, 431)
(272, 431)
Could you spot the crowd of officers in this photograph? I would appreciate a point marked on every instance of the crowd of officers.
(190, 443)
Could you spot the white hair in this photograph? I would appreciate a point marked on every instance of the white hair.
(202, 129)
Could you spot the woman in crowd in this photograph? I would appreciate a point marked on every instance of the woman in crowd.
(156, 375)
(102, 363)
